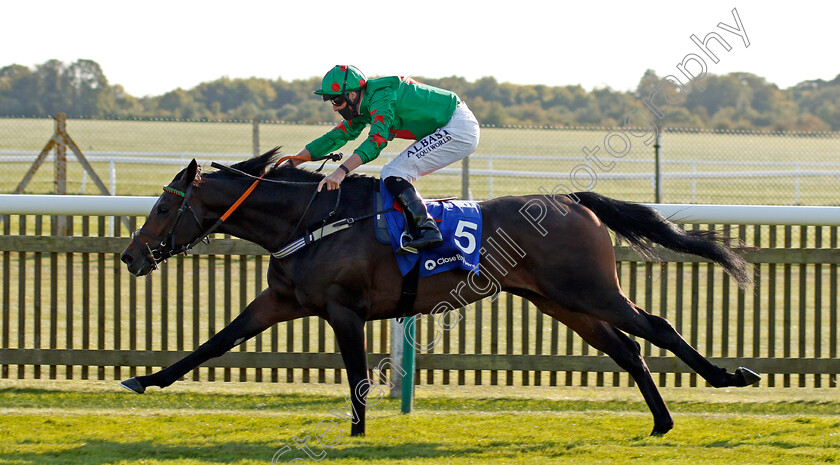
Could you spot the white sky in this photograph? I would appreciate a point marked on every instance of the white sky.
(155, 46)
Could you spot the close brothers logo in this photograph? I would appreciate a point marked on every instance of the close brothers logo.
(432, 264)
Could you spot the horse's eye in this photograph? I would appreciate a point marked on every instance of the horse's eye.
(162, 210)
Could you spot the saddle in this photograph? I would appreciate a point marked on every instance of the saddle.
(380, 225)
(460, 223)
(408, 294)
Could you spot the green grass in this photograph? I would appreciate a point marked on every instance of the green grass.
(192, 423)
(230, 138)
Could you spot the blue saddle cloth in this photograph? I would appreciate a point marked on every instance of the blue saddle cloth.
(460, 224)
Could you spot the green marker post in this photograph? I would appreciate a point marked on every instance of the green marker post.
(409, 336)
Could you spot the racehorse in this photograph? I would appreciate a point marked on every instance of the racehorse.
(565, 265)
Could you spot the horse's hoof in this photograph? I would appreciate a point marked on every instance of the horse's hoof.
(660, 430)
(747, 376)
(133, 385)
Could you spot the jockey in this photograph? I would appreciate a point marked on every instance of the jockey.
(444, 128)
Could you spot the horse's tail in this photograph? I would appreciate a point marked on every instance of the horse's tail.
(635, 223)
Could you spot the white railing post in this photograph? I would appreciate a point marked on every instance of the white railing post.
(397, 330)
(693, 182)
(465, 178)
(107, 205)
(113, 172)
(490, 178)
(658, 161)
(256, 136)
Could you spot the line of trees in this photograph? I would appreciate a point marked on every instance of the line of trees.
(731, 101)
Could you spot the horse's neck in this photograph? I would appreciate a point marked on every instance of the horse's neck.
(270, 220)
(263, 219)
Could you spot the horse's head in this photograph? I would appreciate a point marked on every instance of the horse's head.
(174, 225)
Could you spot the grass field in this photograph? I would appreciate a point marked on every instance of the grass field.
(89, 422)
(528, 149)
(192, 423)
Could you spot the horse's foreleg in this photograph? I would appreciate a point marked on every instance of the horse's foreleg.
(349, 331)
(263, 312)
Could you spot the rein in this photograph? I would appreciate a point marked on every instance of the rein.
(157, 255)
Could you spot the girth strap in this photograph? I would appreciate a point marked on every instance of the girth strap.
(408, 295)
(316, 235)
(322, 232)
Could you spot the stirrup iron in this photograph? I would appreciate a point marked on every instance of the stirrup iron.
(403, 250)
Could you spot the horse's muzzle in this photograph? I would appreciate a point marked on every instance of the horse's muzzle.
(136, 262)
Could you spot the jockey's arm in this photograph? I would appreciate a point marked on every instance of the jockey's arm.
(334, 180)
(303, 154)
(353, 162)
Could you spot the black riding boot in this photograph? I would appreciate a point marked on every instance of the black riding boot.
(428, 234)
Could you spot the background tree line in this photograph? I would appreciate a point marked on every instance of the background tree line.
(731, 101)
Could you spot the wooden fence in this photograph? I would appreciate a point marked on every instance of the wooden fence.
(71, 311)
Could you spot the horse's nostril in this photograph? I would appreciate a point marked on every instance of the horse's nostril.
(127, 259)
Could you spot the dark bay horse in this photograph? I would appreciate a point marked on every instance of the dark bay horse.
(559, 256)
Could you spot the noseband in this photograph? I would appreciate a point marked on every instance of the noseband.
(166, 246)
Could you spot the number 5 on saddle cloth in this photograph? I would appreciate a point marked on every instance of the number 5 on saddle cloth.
(460, 225)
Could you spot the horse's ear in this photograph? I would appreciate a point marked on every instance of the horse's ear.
(189, 173)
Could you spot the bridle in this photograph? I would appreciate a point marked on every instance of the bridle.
(163, 251)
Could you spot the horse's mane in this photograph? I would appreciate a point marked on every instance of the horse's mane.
(258, 165)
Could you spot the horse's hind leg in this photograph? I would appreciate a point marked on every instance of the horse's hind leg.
(627, 316)
(624, 351)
